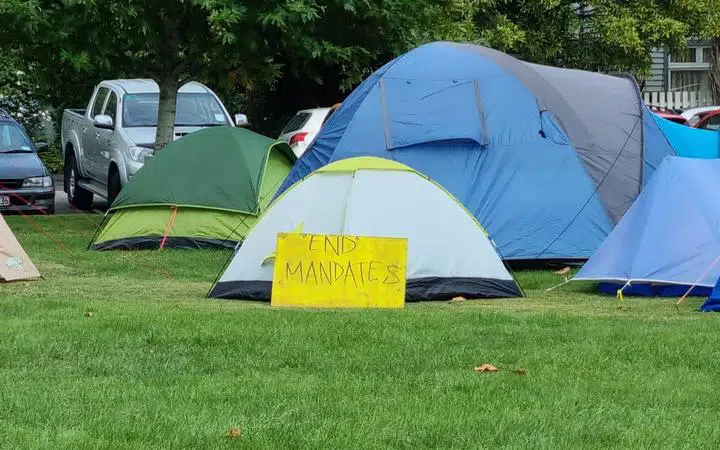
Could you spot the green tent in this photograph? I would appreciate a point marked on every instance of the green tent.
(206, 189)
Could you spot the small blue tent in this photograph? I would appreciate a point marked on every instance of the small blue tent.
(712, 304)
(669, 240)
(547, 159)
(690, 142)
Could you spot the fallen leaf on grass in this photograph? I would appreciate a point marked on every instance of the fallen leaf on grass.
(234, 433)
(521, 371)
(88, 314)
(486, 368)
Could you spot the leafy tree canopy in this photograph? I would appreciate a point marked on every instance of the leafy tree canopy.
(599, 35)
(286, 54)
(245, 44)
(18, 93)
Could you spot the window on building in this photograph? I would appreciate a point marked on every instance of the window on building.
(706, 55)
(689, 80)
(687, 56)
(689, 71)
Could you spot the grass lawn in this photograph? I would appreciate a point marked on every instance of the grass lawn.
(157, 365)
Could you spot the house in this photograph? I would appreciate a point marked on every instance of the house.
(679, 80)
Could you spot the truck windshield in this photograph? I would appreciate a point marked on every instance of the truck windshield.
(193, 109)
(13, 139)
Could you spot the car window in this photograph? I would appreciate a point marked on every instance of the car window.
(111, 107)
(712, 123)
(296, 122)
(99, 101)
(13, 138)
(700, 116)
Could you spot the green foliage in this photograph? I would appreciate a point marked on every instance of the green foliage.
(233, 45)
(602, 35)
(52, 158)
(18, 93)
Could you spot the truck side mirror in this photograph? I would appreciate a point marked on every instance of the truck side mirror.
(104, 122)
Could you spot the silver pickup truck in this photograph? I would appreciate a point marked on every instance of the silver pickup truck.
(104, 145)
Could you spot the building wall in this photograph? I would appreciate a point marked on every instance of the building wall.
(658, 71)
(684, 72)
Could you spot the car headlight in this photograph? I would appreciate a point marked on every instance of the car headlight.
(37, 182)
(139, 154)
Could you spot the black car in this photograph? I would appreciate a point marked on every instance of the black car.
(25, 183)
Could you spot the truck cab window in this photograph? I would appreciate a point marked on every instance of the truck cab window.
(111, 107)
(99, 102)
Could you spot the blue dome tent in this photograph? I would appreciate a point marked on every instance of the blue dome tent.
(669, 240)
(547, 159)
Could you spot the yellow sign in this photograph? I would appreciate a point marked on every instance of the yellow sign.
(333, 271)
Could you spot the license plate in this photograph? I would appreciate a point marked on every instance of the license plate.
(4, 200)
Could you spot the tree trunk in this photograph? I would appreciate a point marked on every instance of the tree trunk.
(715, 70)
(166, 112)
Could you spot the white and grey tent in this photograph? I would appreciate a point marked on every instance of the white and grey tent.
(449, 253)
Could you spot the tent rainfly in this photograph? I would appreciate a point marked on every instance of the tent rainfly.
(205, 189)
(449, 253)
(547, 159)
(15, 265)
(669, 240)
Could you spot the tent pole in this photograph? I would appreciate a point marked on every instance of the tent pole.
(559, 285)
(171, 222)
(682, 299)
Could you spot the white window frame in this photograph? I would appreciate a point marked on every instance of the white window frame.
(687, 66)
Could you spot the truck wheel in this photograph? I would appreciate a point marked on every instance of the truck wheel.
(77, 196)
(114, 186)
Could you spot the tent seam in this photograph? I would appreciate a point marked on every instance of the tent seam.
(594, 193)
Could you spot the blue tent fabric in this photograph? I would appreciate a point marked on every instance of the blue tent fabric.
(656, 145)
(712, 304)
(654, 290)
(690, 142)
(669, 237)
(546, 164)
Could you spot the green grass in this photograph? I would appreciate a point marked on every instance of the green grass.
(159, 366)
